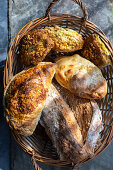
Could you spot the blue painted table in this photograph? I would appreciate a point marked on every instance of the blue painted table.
(20, 12)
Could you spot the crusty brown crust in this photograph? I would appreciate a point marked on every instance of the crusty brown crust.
(35, 46)
(25, 96)
(65, 39)
(95, 51)
(62, 127)
(81, 108)
(81, 77)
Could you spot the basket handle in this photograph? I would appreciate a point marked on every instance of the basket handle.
(76, 1)
(36, 166)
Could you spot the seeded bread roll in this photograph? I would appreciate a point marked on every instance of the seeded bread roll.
(95, 51)
(34, 46)
(81, 108)
(25, 95)
(65, 39)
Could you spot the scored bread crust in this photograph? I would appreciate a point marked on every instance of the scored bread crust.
(25, 95)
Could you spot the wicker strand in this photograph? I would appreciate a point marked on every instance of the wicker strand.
(34, 161)
(85, 13)
(49, 9)
(75, 167)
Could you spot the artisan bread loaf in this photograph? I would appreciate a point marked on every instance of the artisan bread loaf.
(62, 127)
(81, 77)
(34, 46)
(95, 51)
(93, 140)
(65, 39)
(69, 121)
(81, 108)
(25, 95)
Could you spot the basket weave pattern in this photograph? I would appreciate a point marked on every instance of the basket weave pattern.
(39, 146)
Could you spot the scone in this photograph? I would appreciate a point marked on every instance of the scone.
(81, 77)
(25, 95)
(65, 39)
(95, 51)
(34, 46)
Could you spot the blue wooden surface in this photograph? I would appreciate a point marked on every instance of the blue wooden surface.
(21, 12)
(4, 129)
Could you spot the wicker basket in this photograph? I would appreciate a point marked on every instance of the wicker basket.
(39, 145)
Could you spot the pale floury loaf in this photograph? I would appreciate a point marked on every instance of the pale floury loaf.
(64, 130)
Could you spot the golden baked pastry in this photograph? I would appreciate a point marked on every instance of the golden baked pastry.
(81, 77)
(25, 95)
(34, 46)
(65, 39)
(95, 51)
